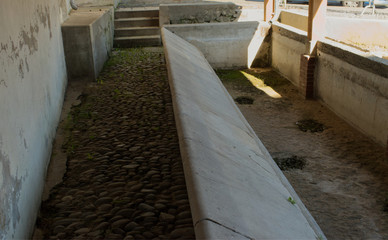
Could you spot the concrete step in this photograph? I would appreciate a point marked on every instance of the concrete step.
(137, 22)
(137, 41)
(136, 31)
(137, 12)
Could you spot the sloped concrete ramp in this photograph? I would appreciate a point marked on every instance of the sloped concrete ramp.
(236, 191)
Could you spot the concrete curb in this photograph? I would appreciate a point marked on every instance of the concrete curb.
(235, 189)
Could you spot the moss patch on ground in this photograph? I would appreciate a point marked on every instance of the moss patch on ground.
(269, 78)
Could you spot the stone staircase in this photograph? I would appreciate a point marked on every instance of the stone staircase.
(137, 27)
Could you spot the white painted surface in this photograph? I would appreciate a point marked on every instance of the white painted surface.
(235, 188)
(32, 84)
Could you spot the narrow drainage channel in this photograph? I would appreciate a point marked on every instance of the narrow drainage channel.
(124, 177)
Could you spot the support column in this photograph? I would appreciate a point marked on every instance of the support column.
(315, 32)
(306, 76)
(316, 23)
(269, 9)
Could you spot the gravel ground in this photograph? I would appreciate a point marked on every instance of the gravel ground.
(124, 177)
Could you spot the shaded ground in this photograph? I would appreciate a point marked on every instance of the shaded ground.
(124, 177)
(344, 182)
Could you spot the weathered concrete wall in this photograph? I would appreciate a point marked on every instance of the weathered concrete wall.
(355, 87)
(227, 45)
(203, 12)
(88, 41)
(351, 82)
(288, 44)
(235, 189)
(32, 85)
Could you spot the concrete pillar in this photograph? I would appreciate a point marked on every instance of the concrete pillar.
(316, 23)
(269, 9)
(306, 76)
(315, 32)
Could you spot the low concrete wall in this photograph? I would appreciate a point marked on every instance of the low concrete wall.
(355, 87)
(351, 82)
(203, 12)
(147, 3)
(363, 33)
(94, 3)
(293, 19)
(88, 41)
(360, 32)
(228, 45)
(287, 45)
(32, 84)
(235, 188)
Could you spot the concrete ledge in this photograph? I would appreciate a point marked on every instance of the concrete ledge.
(228, 45)
(87, 40)
(359, 32)
(294, 19)
(201, 12)
(235, 188)
(357, 58)
(94, 3)
(290, 32)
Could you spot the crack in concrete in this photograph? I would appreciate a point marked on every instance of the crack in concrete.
(220, 224)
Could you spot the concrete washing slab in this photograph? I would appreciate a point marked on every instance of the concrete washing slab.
(235, 189)
(228, 45)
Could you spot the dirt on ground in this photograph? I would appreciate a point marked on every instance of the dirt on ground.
(339, 173)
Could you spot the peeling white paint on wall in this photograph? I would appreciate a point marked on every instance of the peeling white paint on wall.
(32, 83)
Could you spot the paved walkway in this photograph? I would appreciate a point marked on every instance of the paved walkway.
(124, 177)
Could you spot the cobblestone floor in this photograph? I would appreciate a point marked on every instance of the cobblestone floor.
(124, 177)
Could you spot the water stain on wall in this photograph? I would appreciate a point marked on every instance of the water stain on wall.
(10, 187)
(44, 17)
(3, 83)
(27, 39)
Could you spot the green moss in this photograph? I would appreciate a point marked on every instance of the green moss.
(270, 78)
(233, 76)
